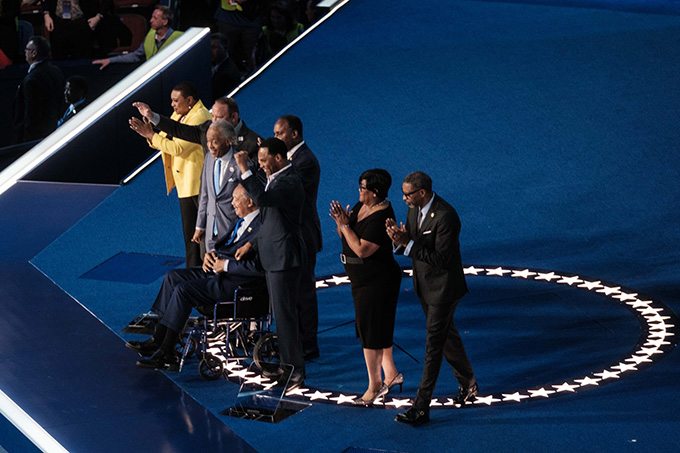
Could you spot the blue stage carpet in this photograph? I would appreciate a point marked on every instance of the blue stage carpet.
(552, 130)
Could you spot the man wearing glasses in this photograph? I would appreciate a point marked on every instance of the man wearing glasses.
(430, 239)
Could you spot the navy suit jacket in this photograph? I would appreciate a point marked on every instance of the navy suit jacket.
(247, 267)
(438, 276)
(279, 243)
(307, 167)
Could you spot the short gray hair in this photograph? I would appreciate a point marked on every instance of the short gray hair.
(225, 129)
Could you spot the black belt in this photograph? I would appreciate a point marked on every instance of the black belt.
(350, 259)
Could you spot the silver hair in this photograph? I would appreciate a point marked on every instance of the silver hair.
(225, 129)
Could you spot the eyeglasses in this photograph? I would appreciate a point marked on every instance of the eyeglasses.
(406, 195)
(362, 187)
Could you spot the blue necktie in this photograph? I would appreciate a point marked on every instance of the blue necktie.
(216, 183)
(232, 238)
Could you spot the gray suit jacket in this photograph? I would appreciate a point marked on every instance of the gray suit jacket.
(213, 205)
(438, 276)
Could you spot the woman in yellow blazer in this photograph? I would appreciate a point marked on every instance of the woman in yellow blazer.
(183, 163)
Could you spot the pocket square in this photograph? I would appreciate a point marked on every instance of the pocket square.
(427, 232)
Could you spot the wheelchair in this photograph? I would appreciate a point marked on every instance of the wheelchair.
(232, 330)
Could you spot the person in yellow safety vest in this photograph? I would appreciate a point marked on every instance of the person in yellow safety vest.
(160, 35)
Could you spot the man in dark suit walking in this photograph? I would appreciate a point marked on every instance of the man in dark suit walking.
(39, 101)
(288, 128)
(182, 289)
(280, 247)
(430, 239)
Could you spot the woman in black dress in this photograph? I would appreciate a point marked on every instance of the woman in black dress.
(375, 277)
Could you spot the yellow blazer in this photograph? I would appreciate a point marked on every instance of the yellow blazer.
(183, 160)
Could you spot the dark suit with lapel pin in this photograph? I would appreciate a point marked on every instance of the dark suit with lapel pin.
(282, 253)
(307, 166)
(182, 289)
(439, 282)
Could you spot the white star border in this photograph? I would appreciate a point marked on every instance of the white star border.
(654, 318)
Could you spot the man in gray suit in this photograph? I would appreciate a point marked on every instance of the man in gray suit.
(280, 247)
(430, 239)
(220, 177)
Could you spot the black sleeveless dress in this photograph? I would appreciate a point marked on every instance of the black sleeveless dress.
(376, 282)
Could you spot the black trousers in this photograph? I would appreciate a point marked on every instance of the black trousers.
(71, 39)
(307, 306)
(442, 341)
(283, 293)
(189, 209)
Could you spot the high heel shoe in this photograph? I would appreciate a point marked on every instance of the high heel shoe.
(360, 401)
(397, 380)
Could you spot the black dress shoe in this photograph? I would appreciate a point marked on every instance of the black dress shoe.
(143, 348)
(161, 360)
(296, 380)
(274, 374)
(466, 394)
(414, 417)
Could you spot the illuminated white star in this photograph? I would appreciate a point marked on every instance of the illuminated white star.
(638, 359)
(240, 373)
(397, 403)
(523, 274)
(270, 385)
(435, 402)
(547, 277)
(449, 402)
(606, 374)
(498, 271)
(408, 272)
(623, 367)
(541, 392)
(662, 335)
(257, 380)
(656, 343)
(570, 280)
(587, 381)
(338, 280)
(514, 397)
(648, 351)
(488, 400)
(649, 311)
(298, 391)
(317, 395)
(657, 318)
(637, 303)
(321, 284)
(565, 387)
(625, 296)
(608, 290)
(342, 399)
(472, 270)
(233, 366)
(660, 325)
(590, 285)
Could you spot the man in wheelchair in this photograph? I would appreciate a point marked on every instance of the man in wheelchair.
(182, 289)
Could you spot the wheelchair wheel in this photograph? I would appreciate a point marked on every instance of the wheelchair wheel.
(210, 368)
(182, 342)
(266, 352)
